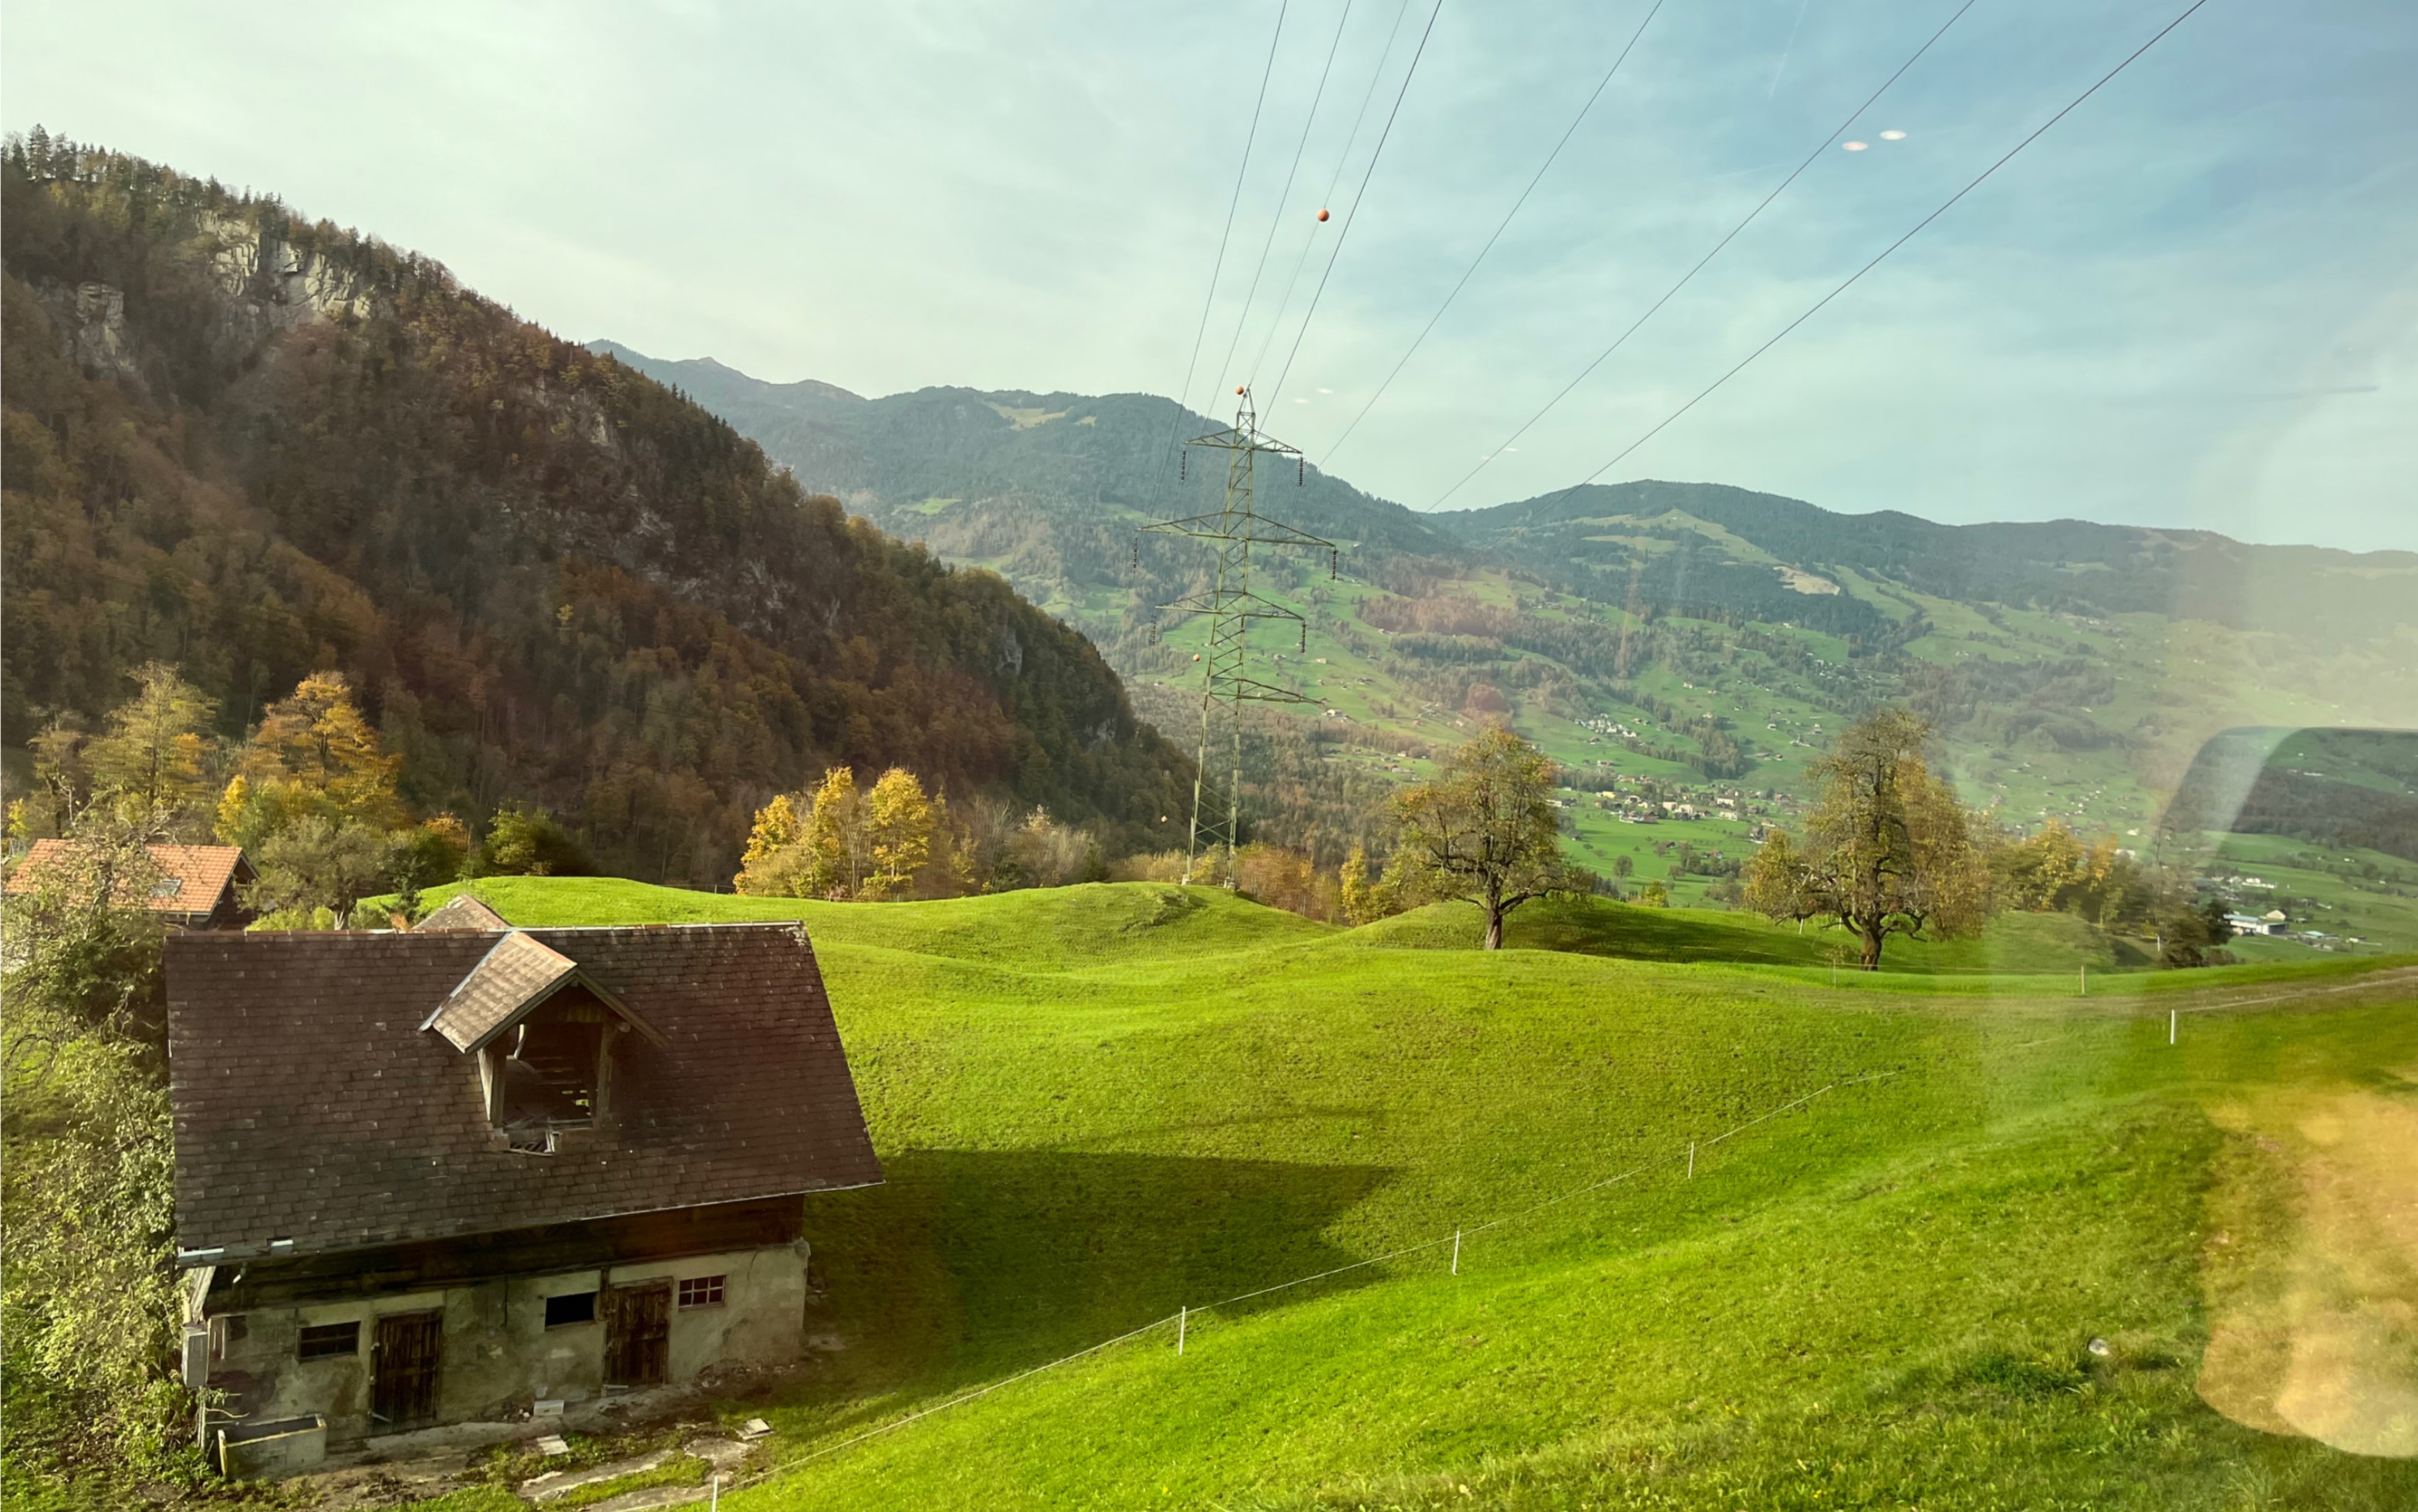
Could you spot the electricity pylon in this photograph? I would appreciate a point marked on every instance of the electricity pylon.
(1226, 683)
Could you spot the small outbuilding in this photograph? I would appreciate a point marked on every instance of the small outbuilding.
(466, 1174)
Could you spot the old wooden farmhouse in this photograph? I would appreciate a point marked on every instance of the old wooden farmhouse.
(471, 1172)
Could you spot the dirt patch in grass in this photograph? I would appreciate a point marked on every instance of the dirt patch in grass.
(2311, 1265)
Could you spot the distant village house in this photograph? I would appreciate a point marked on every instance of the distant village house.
(199, 887)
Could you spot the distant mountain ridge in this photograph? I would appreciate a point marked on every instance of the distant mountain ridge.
(2072, 665)
(2107, 568)
(1110, 450)
(1072, 449)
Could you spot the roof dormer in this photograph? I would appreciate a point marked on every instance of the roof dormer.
(544, 1031)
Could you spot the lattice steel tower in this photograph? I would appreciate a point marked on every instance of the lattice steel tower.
(1226, 683)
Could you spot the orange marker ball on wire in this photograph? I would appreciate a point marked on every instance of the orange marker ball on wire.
(1322, 215)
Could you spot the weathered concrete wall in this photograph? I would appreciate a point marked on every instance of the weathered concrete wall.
(762, 1319)
(499, 1354)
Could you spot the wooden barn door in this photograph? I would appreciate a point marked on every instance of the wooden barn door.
(637, 1333)
(407, 1353)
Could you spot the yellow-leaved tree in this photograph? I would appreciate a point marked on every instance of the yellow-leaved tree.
(1357, 890)
(834, 861)
(899, 825)
(763, 869)
(158, 758)
(314, 803)
(848, 842)
(313, 756)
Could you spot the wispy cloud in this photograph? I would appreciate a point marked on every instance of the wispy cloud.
(2191, 303)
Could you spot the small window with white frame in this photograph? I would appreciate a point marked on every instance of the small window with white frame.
(702, 1292)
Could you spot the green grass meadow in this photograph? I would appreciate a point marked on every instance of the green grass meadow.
(1097, 1104)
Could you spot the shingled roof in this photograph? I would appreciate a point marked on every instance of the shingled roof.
(463, 910)
(312, 1107)
(518, 975)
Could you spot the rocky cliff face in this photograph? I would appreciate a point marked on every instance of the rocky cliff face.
(91, 321)
(272, 285)
(268, 285)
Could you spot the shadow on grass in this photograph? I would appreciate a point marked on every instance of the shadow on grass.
(966, 1264)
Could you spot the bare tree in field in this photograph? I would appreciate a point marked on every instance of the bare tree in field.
(1486, 829)
(1888, 848)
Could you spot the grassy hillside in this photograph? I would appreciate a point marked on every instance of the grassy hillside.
(1097, 1104)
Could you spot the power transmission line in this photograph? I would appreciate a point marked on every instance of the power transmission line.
(1885, 251)
(1284, 196)
(1568, 132)
(1342, 161)
(1227, 682)
(1175, 421)
(1685, 278)
(1352, 214)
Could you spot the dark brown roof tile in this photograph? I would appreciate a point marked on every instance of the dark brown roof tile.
(297, 1118)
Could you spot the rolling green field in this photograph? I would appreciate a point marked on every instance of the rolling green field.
(1915, 1199)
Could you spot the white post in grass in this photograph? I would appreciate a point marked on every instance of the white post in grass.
(716, 1504)
(2171, 1014)
(1182, 1316)
(1455, 1252)
(1691, 1160)
(2086, 978)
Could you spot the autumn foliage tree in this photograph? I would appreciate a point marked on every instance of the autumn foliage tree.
(313, 753)
(899, 824)
(1485, 829)
(2055, 871)
(158, 758)
(153, 766)
(313, 800)
(1888, 848)
(844, 842)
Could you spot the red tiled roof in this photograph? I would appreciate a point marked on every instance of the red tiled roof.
(201, 873)
(310, 1103)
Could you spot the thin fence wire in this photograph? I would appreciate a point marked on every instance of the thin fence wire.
(1455, 1239)
(2409, 974)
(1452, 1239)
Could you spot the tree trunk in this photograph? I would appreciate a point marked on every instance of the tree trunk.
(1871, 947)
(1493, 924)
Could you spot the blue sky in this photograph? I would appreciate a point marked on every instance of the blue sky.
(2192, 303)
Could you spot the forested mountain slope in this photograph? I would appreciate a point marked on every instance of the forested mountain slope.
(254, 446)
(1663, 636)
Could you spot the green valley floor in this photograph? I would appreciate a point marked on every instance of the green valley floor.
(1730, 1236)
